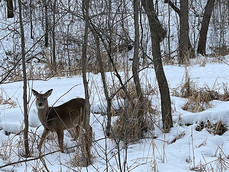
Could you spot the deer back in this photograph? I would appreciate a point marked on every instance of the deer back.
(65, 116)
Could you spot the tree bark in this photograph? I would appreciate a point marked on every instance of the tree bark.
(184, 32)
(10, 9)
(46, 23)
(25, 103)
(54, 38)
(87, 135)
(31, 19)
(178, 11)
(135, 67)
(173, 6)
(160, 75)
(204, 27)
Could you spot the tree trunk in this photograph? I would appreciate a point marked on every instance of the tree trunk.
(135, 67)
(46, 23)
(184, 32)
(31, 19)
(10, 9)
(227, 12)
(87, 135)
(25, 103)
(178, 11)
(103, 76)
(160, 75)
(204, 27)
(54, 38)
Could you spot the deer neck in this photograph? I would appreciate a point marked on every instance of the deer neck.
(42, 115)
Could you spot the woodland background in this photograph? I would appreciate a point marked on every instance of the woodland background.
(42, 39)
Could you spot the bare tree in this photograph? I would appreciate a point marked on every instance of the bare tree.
(103, 76)
(31, 18)
(204, 27)
(155, 29)
(183, 49)
(25, 103)
(54, 37)
(86, 138)
(45, 3)
(135, 65)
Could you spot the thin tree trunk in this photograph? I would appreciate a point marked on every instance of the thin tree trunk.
(105, 88)
(169, 32)
(31, 19)
(135, 67)
(184, 32)
(123, 86)
(54, 38)
(204, 27)
(178, 11)
(110, 30)
(46, 23)
(227, 12)
(160, 75)
(25, 103)
(86, 122)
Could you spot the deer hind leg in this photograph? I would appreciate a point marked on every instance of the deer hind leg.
(45, 133)
(90, 136)
(77, 132)
(60, 134)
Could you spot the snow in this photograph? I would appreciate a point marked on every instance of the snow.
(193, 150)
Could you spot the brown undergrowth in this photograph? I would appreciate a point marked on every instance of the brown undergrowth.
(6, 100)
(133, 118)
(199, 99)
(218, 128)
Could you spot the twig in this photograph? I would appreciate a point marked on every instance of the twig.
(16, 64)
(44, 155)
(65, 94)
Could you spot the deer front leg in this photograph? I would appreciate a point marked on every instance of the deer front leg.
(60, 134)
(45, 133)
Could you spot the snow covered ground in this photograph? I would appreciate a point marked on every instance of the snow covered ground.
(182, 149)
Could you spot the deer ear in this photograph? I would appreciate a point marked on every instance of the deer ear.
(49, 92)
(35, 93)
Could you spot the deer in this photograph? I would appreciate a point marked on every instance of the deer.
(57, 119)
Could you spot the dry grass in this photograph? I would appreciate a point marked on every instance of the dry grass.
(219, 164)
(199, 99)
(129, 126)
(133, 118)
(127, 129)
(217, 128)
(180, 136)
(6, 100)
(219, 51)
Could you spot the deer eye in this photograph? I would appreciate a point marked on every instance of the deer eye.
(44, 99)
(38, 99)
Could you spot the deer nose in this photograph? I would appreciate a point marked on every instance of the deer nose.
(39, 104)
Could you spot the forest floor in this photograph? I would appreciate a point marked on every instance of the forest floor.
(198, 140)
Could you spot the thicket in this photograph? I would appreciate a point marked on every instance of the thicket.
(54, 44)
